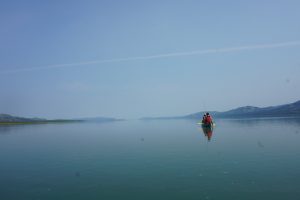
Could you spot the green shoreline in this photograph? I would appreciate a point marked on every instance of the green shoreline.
(40, 122)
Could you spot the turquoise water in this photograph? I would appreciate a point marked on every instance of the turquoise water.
(159, 159)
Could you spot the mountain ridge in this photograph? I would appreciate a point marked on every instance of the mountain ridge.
(6, 118)
(285, 110)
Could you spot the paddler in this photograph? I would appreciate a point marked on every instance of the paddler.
(208, 119)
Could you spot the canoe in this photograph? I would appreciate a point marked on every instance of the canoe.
(206, 125)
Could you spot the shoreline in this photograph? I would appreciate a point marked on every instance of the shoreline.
(40, 122)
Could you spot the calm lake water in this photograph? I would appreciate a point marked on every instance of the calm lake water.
(159, 159)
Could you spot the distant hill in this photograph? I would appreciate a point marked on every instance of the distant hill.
(155, 118)
(100, 119)
(286, 110)
(9, 119)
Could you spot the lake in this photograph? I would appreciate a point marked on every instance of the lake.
(155, 159)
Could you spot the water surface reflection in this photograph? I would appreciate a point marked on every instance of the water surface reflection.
(208, 132)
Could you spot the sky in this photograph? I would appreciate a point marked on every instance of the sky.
(132, 59)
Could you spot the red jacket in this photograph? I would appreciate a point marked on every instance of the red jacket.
(208, 119)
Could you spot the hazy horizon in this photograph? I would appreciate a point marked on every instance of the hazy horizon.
(146, 59)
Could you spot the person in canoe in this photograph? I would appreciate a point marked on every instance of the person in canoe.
(203, 118)
(207, 120)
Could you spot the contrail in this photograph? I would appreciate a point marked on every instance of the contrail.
(167, 55)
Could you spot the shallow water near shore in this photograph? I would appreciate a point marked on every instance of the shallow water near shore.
(155, 159)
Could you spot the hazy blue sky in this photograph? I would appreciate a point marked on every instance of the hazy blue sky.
(36, 37)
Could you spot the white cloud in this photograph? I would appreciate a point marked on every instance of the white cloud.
(167, 55)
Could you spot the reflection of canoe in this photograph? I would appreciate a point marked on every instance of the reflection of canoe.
(206, 125)
(207, 129)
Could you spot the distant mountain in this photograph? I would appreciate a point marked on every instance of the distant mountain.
(100, 119)
(286, 110)
(5, 118)
(155, 118)
(10, 118)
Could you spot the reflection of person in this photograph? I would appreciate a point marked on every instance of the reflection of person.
(208, 131)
